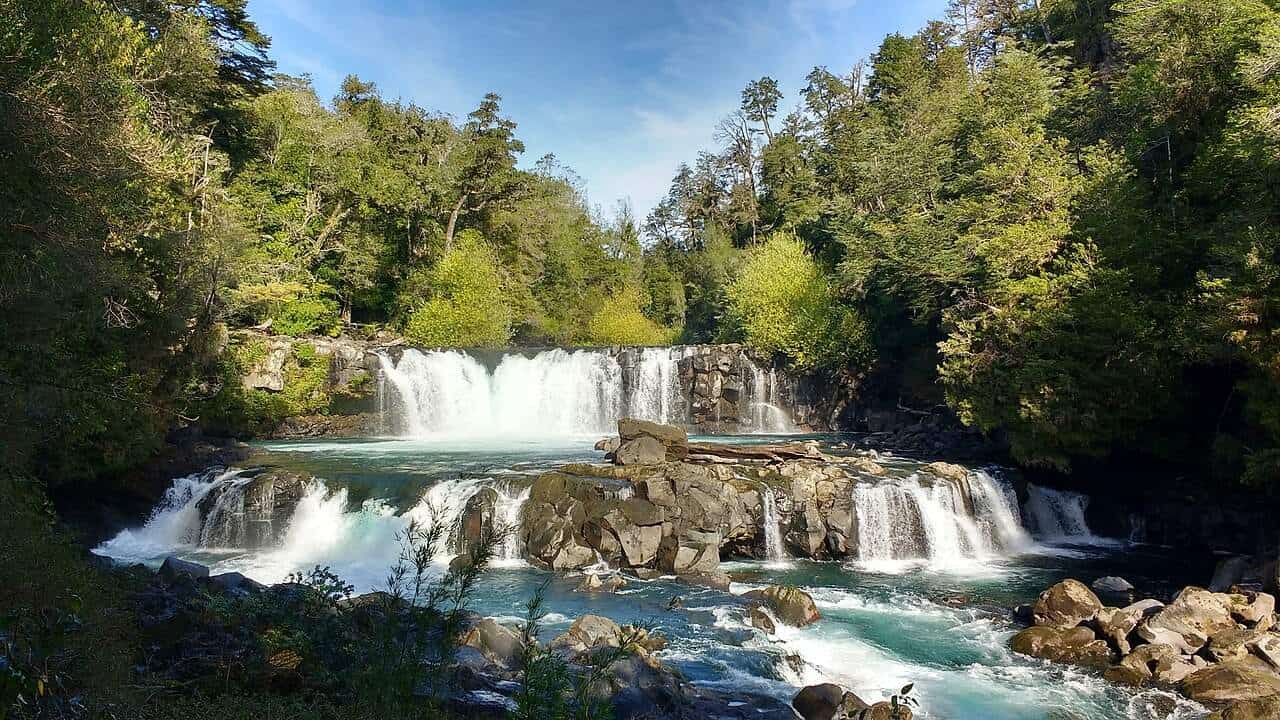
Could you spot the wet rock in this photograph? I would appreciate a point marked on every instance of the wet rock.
(609, 445)
(947, 471)
(696, 552)
(790, 605)
(826, 702)
(1066, 605)
(1247, 678)
(760, 620)
(1077, 645)
(173, 567)
(235, 583)
(1138, 667)
(590, 583)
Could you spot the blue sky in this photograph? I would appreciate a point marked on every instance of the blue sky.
(620, 92)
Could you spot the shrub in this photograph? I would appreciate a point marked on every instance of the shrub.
(467, 308)
(783, 302)
(619, 321)
(308, 316)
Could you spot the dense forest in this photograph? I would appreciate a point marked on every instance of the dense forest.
(1056, 218)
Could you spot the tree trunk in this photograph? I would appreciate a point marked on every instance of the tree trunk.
(453, 223)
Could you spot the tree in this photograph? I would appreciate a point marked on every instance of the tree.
(488, 173)
(760, 102)
(466, 307)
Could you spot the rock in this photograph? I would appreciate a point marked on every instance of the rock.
(1188, 622)
(1266, 647)
(1171, 670)
(696, 552)
(477, 518)
(1253, 607)
(1112, 585)
(498, 643)
(1066, 605)
(1232, 644)
(590, 583)
(267, 372)
(761, 621)
(866, 466)
(1265, 708)
(587, 633)
(173, 567)
(674, 440)
(1076, 645)
(609, 445)
(236, 583)
(1247, 678)
(614, 583)
(641, 451)
(826, 702)
(947, 471)
(790, 605)
(1139, 666)
(1116, 624)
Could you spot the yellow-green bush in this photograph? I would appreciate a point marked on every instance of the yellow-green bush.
(785, 305)
(467, 307)
(619, 321)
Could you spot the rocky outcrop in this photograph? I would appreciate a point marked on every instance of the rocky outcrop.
(1214, 647)
(832, 702)
(252, 513)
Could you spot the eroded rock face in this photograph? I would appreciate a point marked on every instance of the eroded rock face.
(1065, 605)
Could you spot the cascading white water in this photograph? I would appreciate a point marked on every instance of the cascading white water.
(935, 520)
(774, 551)
(507, 511)
(176, 521)
(764, 401)
(656, 394)
(553, 393)
(1057, 515)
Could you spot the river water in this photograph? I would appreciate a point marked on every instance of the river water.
(938, 620)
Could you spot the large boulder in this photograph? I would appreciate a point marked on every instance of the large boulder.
(1065, 605)
(827, 702)
(1076, 645)
(1139, 666)
(789, 605)
(948, 471)
(695, 552)
(1247, 678)
(1188, 622)
(588, 632)
(673, 439)
(1117, 624)
(498, 643)
(643, 450)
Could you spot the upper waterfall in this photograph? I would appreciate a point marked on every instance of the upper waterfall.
(432, 393)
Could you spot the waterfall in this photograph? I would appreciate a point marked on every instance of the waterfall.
(1057, 515)
(763, 400)
(555, 392)
(507, 511)
(773, 548)
(934, 520)
(657, 395)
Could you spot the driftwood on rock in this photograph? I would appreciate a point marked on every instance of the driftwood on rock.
(725, 453)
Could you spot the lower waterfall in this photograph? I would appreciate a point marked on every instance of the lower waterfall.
(767, 414)
(1057, 515)
(774, 551)
(934, 520)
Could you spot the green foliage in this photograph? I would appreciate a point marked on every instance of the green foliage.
(308, 316)
(467, 307)
(620, 321)
(786, 306)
